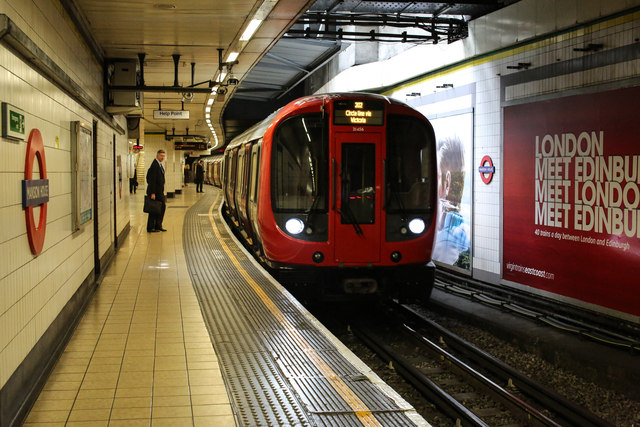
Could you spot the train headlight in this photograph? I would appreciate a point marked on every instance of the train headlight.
(416, 225)
(294, 225)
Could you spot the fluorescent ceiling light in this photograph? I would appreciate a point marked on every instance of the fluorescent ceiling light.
(208, 109)
(261, 14)
(221, 77)
(232, 56)
(210, 101)
(251, 29)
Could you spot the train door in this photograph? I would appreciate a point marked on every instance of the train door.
(231, 181)
(253, 189)
(356, 178)
(243, 189)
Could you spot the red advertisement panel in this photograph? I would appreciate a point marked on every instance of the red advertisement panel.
(572, 197)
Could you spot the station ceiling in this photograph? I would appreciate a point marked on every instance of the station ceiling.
(294, 38)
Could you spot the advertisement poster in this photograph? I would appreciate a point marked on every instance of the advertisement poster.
(454, 136)
(85, 174)
(571, 196)
(81, 175)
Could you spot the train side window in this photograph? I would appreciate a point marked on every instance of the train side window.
(257, 175)
(246, 179)
(239, 174)
(232, 175)
(254, 174)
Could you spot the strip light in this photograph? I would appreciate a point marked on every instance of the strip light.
(232, 56)
(251, 29)
(257, 19)
(261, 14)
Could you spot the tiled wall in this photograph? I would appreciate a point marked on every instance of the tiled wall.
(495, 41)
(33, 289)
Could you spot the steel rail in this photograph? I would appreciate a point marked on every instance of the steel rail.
(563, 407)
(518, 407)
(443, 400)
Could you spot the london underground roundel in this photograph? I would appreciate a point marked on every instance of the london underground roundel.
(486, 169)
(35, 192)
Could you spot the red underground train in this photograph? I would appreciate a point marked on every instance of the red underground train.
(337, 192)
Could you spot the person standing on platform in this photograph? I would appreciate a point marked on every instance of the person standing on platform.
(155, 190)
(199, 176)
(133, 182)
(187, 168)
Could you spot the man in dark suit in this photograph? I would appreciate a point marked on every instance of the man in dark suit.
(199, 176)
(155, 190)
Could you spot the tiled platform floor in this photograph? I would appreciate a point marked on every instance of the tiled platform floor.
(141, 355)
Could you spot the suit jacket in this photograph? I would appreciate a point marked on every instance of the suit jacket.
(155, 179)
(199, 172)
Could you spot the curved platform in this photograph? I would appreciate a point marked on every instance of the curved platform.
(281, 366)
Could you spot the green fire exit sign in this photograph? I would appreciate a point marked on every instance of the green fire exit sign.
(13, 122)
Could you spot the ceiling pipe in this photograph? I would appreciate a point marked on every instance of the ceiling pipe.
(176, 60)
(141, 61)
(193, 73)
(160, 89)
(220, 63)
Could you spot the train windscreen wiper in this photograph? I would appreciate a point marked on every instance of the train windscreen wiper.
(398, 199)
(346, 181)
(351, 218)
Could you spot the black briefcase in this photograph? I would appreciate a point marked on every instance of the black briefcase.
(152, 207)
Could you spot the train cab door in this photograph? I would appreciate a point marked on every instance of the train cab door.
(356, 202)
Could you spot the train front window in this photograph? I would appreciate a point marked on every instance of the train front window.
(411, 163)
(300, 165)
(358, 183)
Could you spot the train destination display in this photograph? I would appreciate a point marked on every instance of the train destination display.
(353, 112)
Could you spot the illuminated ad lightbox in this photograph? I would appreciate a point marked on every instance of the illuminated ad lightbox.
(571, 195)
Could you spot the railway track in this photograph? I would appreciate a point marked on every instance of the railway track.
(469, 385)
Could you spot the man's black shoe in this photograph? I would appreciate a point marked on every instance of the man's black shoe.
(152, 231)
(161, 229)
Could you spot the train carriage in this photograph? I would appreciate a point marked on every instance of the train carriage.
(340, 187)
(212, 167)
